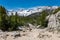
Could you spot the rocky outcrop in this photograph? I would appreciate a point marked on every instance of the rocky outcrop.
(54, 21)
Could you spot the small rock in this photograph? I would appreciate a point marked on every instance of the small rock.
(16, 34)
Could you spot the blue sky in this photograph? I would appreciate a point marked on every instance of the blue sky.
(14, 4)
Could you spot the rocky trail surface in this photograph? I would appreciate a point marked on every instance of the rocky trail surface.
(34, 34)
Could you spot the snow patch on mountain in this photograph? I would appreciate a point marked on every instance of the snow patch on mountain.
(26, 12)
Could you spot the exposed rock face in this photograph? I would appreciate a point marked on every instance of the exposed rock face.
(54, 21)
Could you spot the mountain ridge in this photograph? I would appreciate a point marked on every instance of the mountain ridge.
(29, 11)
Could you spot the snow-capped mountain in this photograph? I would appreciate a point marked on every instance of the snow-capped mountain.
(29, 11)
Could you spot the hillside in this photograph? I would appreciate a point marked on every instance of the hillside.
(40, 25)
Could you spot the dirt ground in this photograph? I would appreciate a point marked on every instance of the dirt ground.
(34, 34)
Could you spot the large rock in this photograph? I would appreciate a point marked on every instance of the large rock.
(54, 21)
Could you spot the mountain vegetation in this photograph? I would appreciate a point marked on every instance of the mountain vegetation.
(10, 23)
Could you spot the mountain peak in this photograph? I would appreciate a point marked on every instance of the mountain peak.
(26, 12)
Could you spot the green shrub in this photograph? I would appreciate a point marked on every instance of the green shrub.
(10, 23)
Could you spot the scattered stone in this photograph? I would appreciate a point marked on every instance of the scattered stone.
(16, 34)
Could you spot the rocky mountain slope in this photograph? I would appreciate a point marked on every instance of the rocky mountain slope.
(34, 32)
(29, 11)
(54, 21)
